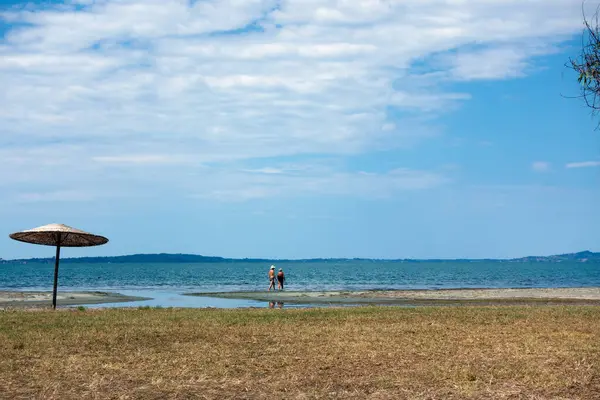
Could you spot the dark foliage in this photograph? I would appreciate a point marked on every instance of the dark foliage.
(587, 64)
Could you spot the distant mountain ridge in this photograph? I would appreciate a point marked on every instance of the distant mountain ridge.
(583, 256)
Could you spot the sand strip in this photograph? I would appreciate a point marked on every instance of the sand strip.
(29, 299)
(426, 297)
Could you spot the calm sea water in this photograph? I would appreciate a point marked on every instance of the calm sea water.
(166, 282)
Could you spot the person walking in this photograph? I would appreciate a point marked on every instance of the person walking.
(272, 278)
(280, 279)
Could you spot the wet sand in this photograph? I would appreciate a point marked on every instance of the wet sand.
(426, 297)
(41, 299)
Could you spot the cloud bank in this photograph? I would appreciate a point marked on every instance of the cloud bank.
(97, 90)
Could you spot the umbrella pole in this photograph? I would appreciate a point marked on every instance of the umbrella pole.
(55, 276)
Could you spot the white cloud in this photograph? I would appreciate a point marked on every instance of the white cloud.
(249, 186)
(118, 85)
(267, 170)
(540, 166)
(56, 196)
(506, 61)
(52, 178)
(584, 164)
(142, 159)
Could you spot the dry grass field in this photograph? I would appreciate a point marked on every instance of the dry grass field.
(544, 352)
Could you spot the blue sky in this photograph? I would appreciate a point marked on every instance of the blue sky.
(315, 128)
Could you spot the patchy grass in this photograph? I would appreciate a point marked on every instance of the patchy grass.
(369, 352)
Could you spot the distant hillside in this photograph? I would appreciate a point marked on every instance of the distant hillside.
(155, 258)
(584, 256)
(134, 258)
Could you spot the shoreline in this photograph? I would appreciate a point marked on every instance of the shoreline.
(23, 299)
(413, 297)
(534, 296)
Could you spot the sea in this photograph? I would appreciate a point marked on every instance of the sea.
(166, 283)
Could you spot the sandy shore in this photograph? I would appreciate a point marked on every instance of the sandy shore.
(28, 299)
(426, 297)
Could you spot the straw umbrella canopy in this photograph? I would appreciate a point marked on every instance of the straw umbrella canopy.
(58, 235)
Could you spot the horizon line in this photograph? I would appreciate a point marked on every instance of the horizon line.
(296, 259)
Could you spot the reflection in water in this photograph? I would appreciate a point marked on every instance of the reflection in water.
(273, 304)
(174, 299)
(179, 300)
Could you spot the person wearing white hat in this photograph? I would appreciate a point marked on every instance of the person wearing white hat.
(272, 278)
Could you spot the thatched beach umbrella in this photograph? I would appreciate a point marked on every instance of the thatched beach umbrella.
(60, 236)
